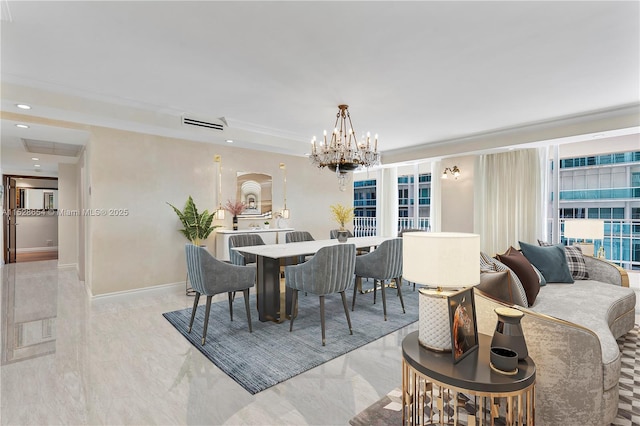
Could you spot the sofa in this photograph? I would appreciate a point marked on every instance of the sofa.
(571, 331)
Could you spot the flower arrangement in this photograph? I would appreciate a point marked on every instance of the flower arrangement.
(342, 214)
(235, 207)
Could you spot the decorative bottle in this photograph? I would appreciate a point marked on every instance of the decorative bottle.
(508, 333)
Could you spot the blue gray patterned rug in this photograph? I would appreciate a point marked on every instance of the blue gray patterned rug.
(271, 354)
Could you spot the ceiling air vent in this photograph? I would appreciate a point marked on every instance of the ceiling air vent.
(190, 121)
(52, 148)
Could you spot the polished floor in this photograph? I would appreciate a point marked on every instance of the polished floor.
(36, 256)
(67, 359)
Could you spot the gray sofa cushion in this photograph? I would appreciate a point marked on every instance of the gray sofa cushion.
(488, 263)
(575, 260)
(550, 260)
(586, 304)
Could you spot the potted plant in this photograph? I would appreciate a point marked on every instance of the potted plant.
(266, 224)
(197, 226)
(342, 215)
(235, 208)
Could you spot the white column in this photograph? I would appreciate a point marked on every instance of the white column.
(388, 203)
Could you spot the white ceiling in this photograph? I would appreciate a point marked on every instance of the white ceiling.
(413, 72)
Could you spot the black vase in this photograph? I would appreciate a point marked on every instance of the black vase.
(508, 332)
(235, 223)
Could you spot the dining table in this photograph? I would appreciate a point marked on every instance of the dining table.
(269, 260)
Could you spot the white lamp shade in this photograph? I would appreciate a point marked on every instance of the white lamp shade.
(441, 259)
(586, 229)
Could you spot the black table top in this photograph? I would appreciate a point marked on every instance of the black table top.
(472, 372)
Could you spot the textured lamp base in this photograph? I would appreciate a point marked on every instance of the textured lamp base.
(434, 331)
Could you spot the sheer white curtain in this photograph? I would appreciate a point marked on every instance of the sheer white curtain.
(509, 198)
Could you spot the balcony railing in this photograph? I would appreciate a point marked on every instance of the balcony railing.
(600, 194)
(366, 226)
(621, 241)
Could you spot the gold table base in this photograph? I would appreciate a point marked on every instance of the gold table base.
(424, 402)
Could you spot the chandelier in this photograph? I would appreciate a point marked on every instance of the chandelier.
(343, 153)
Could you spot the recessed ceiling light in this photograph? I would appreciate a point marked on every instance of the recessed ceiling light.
(22, 126)
(229, 141)
(36, 165)
(34, 158)
(23, 106)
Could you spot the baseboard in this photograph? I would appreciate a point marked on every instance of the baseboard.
(137, 290)
(36, 249)
(67, 265)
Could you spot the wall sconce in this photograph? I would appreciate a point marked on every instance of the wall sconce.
(285, 213)
(220, 210)
(455, 172)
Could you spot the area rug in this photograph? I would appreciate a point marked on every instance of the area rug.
(272, 354)
(388, 409)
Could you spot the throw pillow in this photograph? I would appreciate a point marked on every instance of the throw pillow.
(523, 269)
(550, 260)
(541, 279)
(575, 261)
(488, 263)
(496, 285)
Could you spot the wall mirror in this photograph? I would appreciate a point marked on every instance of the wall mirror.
(254, 190)
(37, 199)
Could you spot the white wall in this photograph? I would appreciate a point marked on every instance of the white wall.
(457, 213)
(67, 224)
(36, 232)
(141, 173)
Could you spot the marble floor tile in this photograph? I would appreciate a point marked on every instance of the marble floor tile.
(115, 360)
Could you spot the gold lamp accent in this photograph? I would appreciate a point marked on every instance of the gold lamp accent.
(285, 213)
(343, 153)
(454, 171)
(220, 210)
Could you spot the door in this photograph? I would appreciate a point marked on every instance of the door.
(10, 220)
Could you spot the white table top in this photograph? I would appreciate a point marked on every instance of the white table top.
(278, 251)
(252, 231)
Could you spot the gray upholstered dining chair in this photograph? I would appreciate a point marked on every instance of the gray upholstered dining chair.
(298, 236)
(329, 271)
(243, 240)
(333, 234)
(210, 276)
(384, 263)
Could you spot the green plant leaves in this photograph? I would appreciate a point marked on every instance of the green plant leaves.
(196, 226)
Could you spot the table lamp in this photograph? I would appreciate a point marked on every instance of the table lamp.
(584, 229)
(443, 261)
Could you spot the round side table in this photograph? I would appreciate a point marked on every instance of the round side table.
(432, 387)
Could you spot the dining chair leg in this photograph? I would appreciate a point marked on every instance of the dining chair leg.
(246, 307)
(322, 319)
(193, 311)
(231, 297)
(384, 299)
(398, 285)
(355, 291)
(346, 310)
(206, 319)
(375, 288)
(294, 308)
